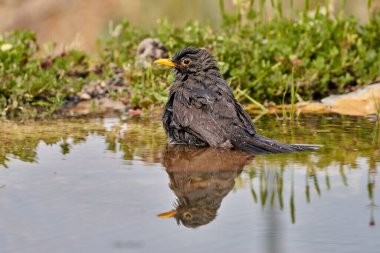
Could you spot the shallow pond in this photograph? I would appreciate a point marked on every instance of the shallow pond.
(113, 185)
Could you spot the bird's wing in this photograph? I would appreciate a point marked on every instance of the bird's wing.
(235, 112)
(211, 113)
(198, 122)
(168, 113)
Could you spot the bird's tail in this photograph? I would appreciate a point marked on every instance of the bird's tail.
(261, 145)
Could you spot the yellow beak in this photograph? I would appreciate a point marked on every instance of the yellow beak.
(169, 214)
(165, 62)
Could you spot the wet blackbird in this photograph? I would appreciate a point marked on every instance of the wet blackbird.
(201, 109)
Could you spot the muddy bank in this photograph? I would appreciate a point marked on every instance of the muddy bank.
(362, 102)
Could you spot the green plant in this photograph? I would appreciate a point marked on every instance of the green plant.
(315, 53)
(376, 104)
(32, 85)
(259, 57)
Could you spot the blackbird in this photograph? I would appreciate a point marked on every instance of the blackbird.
(201, 109)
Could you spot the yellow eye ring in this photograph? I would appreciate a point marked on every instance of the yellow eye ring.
(185, 61)
(187, 215)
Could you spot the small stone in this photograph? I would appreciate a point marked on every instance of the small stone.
(117, 80)
(103, 84)
(84, 96)
(134, 112)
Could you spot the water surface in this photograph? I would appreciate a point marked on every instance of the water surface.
(113, 185)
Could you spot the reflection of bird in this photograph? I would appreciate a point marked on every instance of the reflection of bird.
(201, 178)
(203, 111)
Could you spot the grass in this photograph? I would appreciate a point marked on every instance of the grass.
(32, 85)
(376, 104)
(259, 56)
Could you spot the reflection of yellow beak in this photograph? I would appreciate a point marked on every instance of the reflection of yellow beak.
(169, 214)
(165, 62)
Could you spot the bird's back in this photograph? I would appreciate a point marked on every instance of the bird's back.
(204, 107)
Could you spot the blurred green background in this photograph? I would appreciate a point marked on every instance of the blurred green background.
(80, 23)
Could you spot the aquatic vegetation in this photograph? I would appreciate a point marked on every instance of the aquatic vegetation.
(306, 56)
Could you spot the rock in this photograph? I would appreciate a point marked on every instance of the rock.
(360, 102)
(149, 50)
(117, 80)
(100, 89)
(134, 112)
(94, 89)
(357, 103)
(312, 107)
(103, 84)
(84, 96)
(301, 107)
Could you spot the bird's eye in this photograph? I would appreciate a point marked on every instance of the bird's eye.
(187, 215)
(185, 61)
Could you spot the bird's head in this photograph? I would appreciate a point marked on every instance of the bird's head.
(191, 217)
(190, 60)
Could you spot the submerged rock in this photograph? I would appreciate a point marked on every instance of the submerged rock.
(364, 101)
(149, 50)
